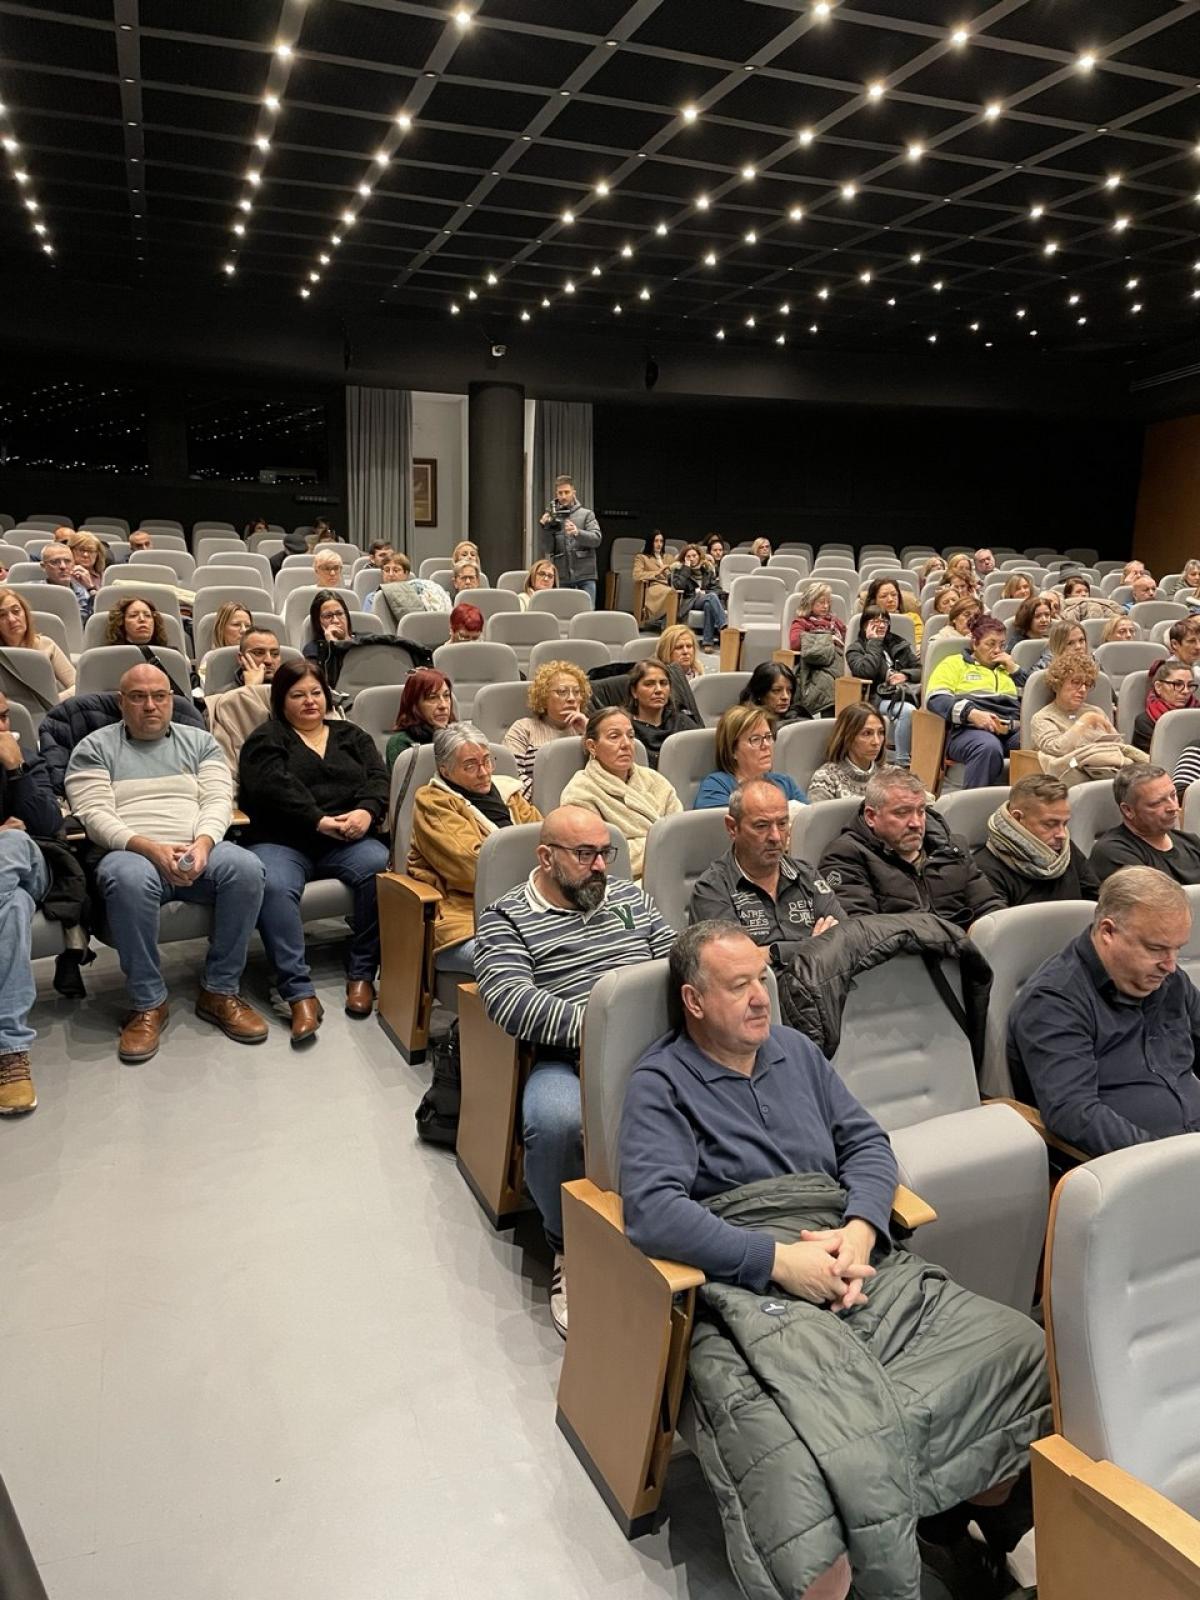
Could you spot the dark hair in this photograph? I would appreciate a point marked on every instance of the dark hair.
(1130, 779)
(636, 673)
(115, 631)
(763, 679)
(873, 589)
(418, 686)
(870, 613)
(321, 598)
(686, 956)
(851, 720)
(379, 544)
(600, 716)
(655, 533)
(287, 675)
(1023, 620)
(255, 525)
(714, 538)
(1074, 583)
(984, 625)
(1180, 630)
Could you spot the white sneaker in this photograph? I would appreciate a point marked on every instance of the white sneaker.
(558, 1297)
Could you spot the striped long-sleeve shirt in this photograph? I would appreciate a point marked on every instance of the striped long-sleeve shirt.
(535, 963)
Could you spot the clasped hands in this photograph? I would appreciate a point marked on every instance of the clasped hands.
(349, 825)
(828, 1266)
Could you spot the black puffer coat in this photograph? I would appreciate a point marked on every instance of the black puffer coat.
(868, 876)
(66, 724)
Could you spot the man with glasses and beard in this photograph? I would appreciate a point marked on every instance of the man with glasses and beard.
(538, 951)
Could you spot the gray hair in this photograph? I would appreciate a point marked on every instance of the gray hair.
(447, 742)
(1130, 779)
(741, 794)
(54, 548)
(889, 780)
(809, 593)
(1140, 889)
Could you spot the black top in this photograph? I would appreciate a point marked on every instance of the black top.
(28, 795)
(1120, 847)
(674, 720)
(1078, 882)
(285, 788)
(868, 876)
(724, 892)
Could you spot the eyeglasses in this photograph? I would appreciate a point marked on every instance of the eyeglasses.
(478, 764)
(760, 741)
(585, 854)
(1176, 683)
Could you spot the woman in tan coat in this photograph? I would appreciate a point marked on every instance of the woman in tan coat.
(452, 816)
(652, 566)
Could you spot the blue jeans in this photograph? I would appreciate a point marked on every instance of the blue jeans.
(981, 753)
(134, 890)
(900, 717)
(456, 958)
(24, 881)
(714, 615)
(586, 586)
(553, 1133)
(280, 924)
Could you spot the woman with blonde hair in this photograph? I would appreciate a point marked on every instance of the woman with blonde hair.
(541, 575)
(961, 572)
(1075, 741)
(559, 700)
(1018, 587)
(91, 558)
(19, 632)
(612, 784)
(745, 749)
(677, 647)
(934, 567)
(465, 550)
(1064, 638)
(1120, 629)
(230, 623)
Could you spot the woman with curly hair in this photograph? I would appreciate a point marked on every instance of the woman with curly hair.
(1076, 741)
(136, 621)
(559, 700)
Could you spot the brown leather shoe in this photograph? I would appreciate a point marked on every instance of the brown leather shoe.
(360, 997)
(16, 1083)
(232, 1015)
(142, 1032)
(306, 1018)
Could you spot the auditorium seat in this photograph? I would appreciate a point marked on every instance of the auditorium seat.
(27, 678)
(100, 670)
(586, 654)
(802, 747)
(554, 765)
(1173, 733)
(163, 597)
(1147, 612)
(756, 602)
(1116, 1487)
(1093, 811)
(1131, 701)
(678, 849)
(817, 826)
(220, 666)
(374, 710)
(298, 603)
(427, 628)
(262, 617)
(491, 602)
(125, 575)
(179, 561)
(686, 759)
(717, 692)
(498, 706)
(520, 630)
(1036, 696)
(966, 811)
(561, 603)
(612, 628)
(470, 666)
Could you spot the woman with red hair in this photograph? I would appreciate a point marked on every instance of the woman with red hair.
(426, 704)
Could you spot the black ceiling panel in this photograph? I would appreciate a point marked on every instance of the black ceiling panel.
(415, 243)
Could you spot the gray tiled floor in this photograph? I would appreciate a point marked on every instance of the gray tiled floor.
(259, 1344)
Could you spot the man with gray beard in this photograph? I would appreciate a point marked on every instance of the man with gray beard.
(538, 951)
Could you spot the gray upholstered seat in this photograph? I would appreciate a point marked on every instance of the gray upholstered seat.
(816, 827)
(716, 692)
(428, 628)
(1119, 657)
(1173, 733)
(612, 628)
(27, 678)
(220, 666)
(966, 811)
(520, 630)
(678, 849)
(1093, 811)
(982, 1168)
(100, 669)
(561, 603)
(470, 666)
(686, 759)
(1036, 696)
(801, 747)
(587, 654)
(498, 706)
(1015, 942)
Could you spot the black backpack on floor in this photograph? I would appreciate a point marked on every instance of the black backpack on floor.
(437, 1115)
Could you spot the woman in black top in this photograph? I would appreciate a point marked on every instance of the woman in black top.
(892, 670)
(329, 618)
(653, 713)
(316, 793)
(772, 686)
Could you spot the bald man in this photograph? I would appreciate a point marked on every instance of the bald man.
(157, 800)
(538, 951)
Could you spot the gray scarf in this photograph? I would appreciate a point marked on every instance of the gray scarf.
(1021, 850)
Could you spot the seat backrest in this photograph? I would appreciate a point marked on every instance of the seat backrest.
(1036, 695)
(816, 827)
(716, 692)
(966, 811)
(491, 602)
(1093, 810)
(11, 555)
(1120, 657)
(248, 559)
(587, 654)
(945, 643)
(609, 627)
(432, 564)
(298, 604)
(164, 598)
(1131, 701)
(508, 856)
(556, 763)
(99, 670)
(207, 546)
(413, 768)
(374, 710)
(365, 581)
(686, 759)
(27, 678)
(498, 706)
(1028, 652)
(678, 849)
(899, 624)
(202, 628)
(126, 572)
(470, 666)
(801, 747)
(208, 601)
(95, 633)
(30, 571)
(56, 601)
(1122, 1287)
(1015, 942)
(925, 1069)
(627, 1011)
(1173, 733)
(180, 562)
(788, 563)
(23, 724)
(521, 630)
(50, 626)
(1147, 612)
(757, 599)
(561, 603)
(220, 666)
(428, 628)
(735, 565)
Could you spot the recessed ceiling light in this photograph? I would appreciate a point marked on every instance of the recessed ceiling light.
(689, 113)
(1135, 308)
(228, 269)
(271, 101)
(661, 230)
(382, 157)
(785, 310)
(1112, 180)
(643, 294)
(864, 277)
(463, 17)
(974, 327)
(915, 258)
(262, 142)
(403, 120)
(254, 179)
(751, 237)
(932, 337)
(710, 259)
(32, 205)
(701, 202)
(471, 295)
(796, 214)
(806, 136)
(323, 259)
(992, 110)
(595, 272)
(720, 334)
(822, 294)
(1080, 321)
(1049, 248)
(568, 287)
(822, 8)
(1085, 62)
(545, 302)
(875, 91)
(1037, 211)
(284, 52)
(602, 188)
(21, 176)
(1073, 299)
(916, 151)
(781, 338)
(1033, 333)
(48, 249)
(812, 327)
(1132, 283)
(364, 189)
(491, 280)
(568, 218)
(239, 228)
(1120, 224)
(891, 299)
(849, 190)
(453, 307)
(1021, 311)
(11, 145)
(335, 238)
(348, 219)
(938, 286)
(748, 172)
(40, 227)
(959, 37)
(524, 316)
(314, 277)
(750, 322)
(244, 205)
(626, 251)
(617, 308)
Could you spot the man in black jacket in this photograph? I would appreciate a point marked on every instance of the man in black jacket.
(895, 856)
(1147, 836)
(1028, 855)
(27, 808)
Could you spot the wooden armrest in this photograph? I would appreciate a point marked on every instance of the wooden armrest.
(1023, 764)
(424, 892)
(607, 1206)
(848, 691)
(239, 819)
(407, 910)
(1033, 1117)
(731, 649)
(785, 658)
(909, 1210)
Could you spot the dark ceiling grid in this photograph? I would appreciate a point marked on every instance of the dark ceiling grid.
(481, 186)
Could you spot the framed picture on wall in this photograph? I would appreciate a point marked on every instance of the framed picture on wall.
(424, 491)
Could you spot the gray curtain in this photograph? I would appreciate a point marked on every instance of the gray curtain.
(562, 442)
(379, 430)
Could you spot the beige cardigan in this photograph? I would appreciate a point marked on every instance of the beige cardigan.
(1073, 753)
(632, 805)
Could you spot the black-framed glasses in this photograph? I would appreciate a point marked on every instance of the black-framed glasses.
(1176, 683)
(585, 854)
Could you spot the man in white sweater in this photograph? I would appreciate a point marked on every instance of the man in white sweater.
(158, 799)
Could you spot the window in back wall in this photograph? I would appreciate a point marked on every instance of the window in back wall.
(72, 426)
(267, 437)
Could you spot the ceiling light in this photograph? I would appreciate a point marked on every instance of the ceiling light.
(1049, 248)
(748, 172)
(1112, 180)
(720, 333)
(403, 120)
(602, 188)
(568, 287)
(617, 309)
(262, 142)
(348, 219)
(812, 327)
(626, 251)
(491, 280)
(689, 113)
(751, 237)
(1036, 211)
(710, 259)
(1132, 283)
(891, 300)
(545, 302)
(40, 227)
(32, 205)
(11, 145)
(524, 316)
(382, 157)
(875, 91)
(1073, 299)
(1135, 307)
(974, 327)
(1080, 321)
(643, 294)
(463, 17)
(849, 190)
(916, 151)
(1085, 62)
(915, 258)
(750, 322)
(864, 277)
(785, 310)
(568, 218)
(471, 295)
(701, 202)
(932, 338)
(48, 249)
(959, 37)
(992, 110)
(229, 269)
(284, 52)
(937, 286)
(244, 205)
(1033, 333)
(822, 8)
(364, 189)
(271, 101)
(822, 294)
(21, 176)
(254, 179)
(324, 260)
(305, 293)
(806, 136)
(314, 277)
(1120, 224)
(661, 230)
(595, 272)
(239, 228)
(781, 338)
(1021, 311)
(796, 214)
(335, 238)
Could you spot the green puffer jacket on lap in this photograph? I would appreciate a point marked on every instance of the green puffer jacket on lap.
(826, 1432)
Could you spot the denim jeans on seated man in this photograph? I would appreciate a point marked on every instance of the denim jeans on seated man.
(134, 890)
(553, 1139)
(24, 882)
(288, 870)
(456, 958)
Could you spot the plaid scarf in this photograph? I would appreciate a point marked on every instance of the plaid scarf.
(1023, 851)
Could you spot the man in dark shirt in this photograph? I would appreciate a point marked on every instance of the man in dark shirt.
(1028, 856)
(776, 898)
(1146, 836)
(27, 807)
(1106, 1032)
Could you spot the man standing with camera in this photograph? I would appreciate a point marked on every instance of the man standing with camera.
(571, 537)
